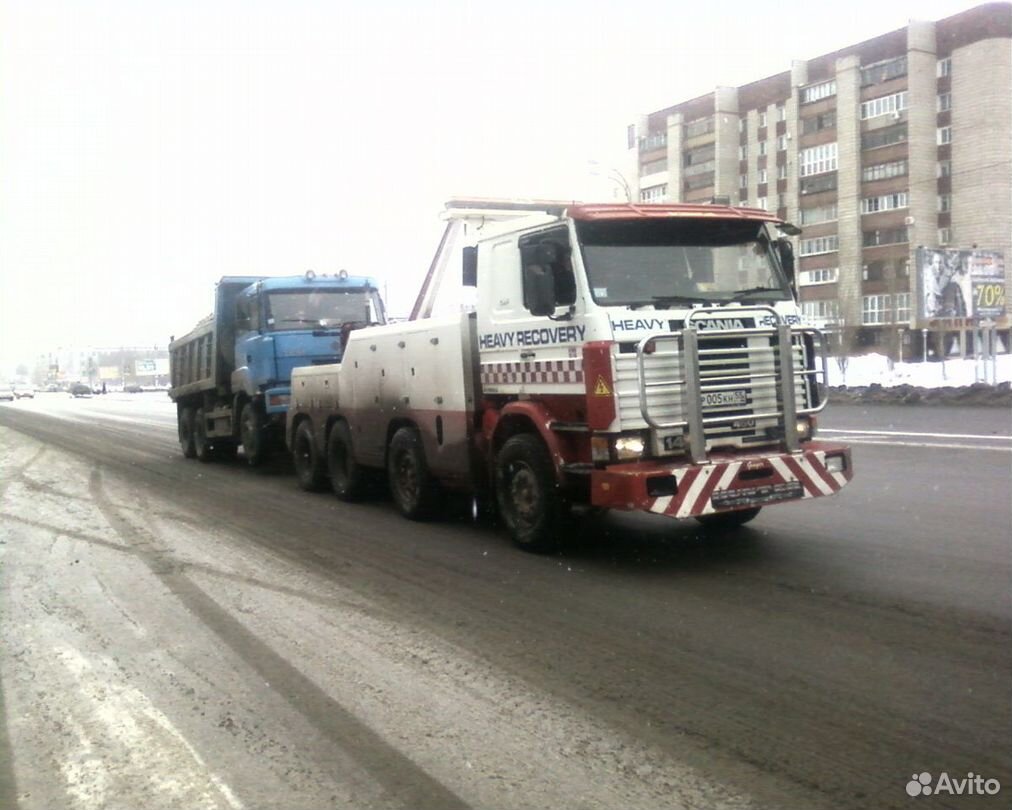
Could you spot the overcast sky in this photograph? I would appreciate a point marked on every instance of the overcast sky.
(148, 148)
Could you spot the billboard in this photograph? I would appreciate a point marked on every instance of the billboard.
(961, 283)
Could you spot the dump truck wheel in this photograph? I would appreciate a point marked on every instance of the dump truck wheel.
(186, 432)
(530, 503)
(414, 491)
(309, 465)
(202, 447)
(253, 434)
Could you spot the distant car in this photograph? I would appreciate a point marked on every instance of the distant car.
(80, 390)
(24, 393)
(6, 394)
(52, 389)
(133, 388)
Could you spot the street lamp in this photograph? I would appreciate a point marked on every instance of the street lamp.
(613, 174)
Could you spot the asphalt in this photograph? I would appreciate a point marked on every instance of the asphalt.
(817, 658)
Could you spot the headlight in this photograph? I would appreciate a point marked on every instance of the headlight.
(277, 400)
(629, 447)
(806, 428)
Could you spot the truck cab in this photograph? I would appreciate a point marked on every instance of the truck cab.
(231, 374)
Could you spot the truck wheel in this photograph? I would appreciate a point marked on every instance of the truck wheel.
(309, 467)
(202, 447)
(729, 520)
(411, 484)
(347, 479)
(529, 500)
(252, 434)
(186, 432)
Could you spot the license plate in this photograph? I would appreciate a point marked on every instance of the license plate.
(714, 398)
(757, 496)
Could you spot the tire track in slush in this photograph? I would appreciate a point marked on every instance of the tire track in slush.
(400, 778)
(8, 783)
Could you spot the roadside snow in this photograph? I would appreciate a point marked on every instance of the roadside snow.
(874, 368)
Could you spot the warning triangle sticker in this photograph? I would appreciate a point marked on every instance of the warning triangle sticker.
(601, 389)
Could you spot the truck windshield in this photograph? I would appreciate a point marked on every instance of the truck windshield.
(290, 309)
(665, 263)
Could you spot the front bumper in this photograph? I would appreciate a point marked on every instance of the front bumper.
(726, 482)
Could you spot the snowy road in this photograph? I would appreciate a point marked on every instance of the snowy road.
(181, 635)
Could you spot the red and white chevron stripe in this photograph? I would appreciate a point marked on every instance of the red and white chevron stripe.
(698, 485)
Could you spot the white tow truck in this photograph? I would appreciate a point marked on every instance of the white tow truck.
(622, 356)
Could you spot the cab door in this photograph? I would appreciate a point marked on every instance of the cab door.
(525, 346)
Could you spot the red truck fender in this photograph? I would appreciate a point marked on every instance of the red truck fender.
(498, 424)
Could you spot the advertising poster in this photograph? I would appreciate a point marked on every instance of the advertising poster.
(960, 284)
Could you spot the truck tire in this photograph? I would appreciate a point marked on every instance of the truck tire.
(186, 432)
(202, 447)
(530, 503)
(253, 434)
(309, 465)
(347, 478)
(411, 484)
(729, 520)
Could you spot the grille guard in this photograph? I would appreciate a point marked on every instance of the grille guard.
(783, 376)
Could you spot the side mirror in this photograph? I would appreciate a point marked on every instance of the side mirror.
(539, 289)
(786, 251)
(470, 269)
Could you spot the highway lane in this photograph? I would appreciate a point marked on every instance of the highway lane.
(816, 659)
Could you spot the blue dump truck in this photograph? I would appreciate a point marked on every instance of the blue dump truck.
(231, 374)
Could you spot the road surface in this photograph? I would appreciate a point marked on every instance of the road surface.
(187, 635)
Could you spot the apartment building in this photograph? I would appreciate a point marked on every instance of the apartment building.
(898, 142)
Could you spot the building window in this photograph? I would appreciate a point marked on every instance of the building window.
(701, 180)
(884, 236)
(943, 67)
(820, 244)
(742, 181)
(944, 168)
(887, 202)
(944, 203)
(818, 159)
(761, 203)
(884, 105)
(816, 123)
(883, 171)
(743, 152)
(654, 166)
(782, 171)
(943, 102)
(781, 112)
(762, 177)
(903, 307)
(822, 275)
(883, 137)
(944, 135)
(762, 148)
(762, 119)
(944, 236)
(655, 140)
(820, 311)
(741, 125)
(822, 182)
(781, 143)
(822, 213)
(654, 194)
(701, 126)
(884, 71)
(875, 309)
(818, 91)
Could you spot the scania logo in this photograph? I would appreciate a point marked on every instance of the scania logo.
(719, 323)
